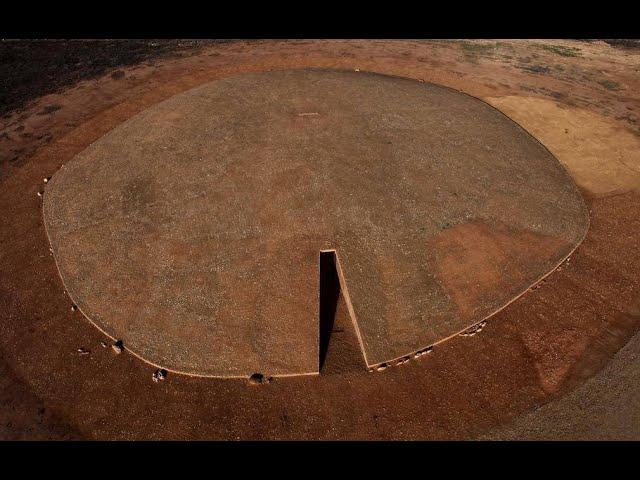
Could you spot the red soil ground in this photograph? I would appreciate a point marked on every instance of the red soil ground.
(580, 99)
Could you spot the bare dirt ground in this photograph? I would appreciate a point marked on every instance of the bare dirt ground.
(30, 69)
(578, 98)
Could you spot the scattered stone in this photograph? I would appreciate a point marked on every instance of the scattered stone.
(118, 347)
(83, 351)
(381, 367)
(103, 344)
(46, 179)
(159, 375)
(259, 379)
(477, 328)
(356, 69)
(40, 193)
(403, 360)
(74, 307)
(420, 353)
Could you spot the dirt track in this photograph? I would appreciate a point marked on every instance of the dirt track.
(577, 98)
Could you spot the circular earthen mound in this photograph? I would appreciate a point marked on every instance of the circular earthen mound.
(193, 231)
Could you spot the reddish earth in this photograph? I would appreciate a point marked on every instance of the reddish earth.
(534, 351)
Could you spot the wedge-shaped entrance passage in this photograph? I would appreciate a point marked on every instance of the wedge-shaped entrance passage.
(192, 231)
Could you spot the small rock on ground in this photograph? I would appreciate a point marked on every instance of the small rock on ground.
(159, 375)
(259, 379)
(118, 347)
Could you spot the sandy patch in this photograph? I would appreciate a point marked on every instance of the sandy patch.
(581, 140)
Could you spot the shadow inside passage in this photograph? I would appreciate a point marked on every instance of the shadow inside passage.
(329, 296)
(340, 350)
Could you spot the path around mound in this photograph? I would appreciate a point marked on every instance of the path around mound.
(538, 348)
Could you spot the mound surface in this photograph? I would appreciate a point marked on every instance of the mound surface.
(192, 231)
